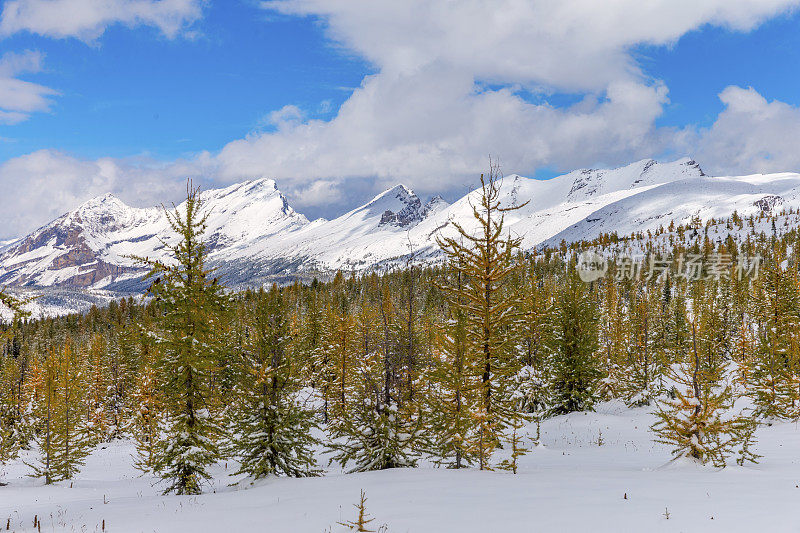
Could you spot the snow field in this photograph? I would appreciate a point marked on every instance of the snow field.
(597, 472)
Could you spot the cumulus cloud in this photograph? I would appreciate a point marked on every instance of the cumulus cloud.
(453, 84)
(568, 44)
(317, 192)
(430, 129)
(454, 81)
(88, 19)
(45, 184)
(19, 98)
(750, 135)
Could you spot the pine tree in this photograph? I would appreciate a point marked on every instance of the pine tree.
(614, 340)
(190, 305)
(529, 382)
(147, 420)
(272, 430)
(17, 308)
(645, 362)
(98, 389)
(517, 449)
(335, 363)
(124, 355)
(360, 523)
(573, 348)
(382, 426)
(15, 423)
(457, 382)
(374, 435)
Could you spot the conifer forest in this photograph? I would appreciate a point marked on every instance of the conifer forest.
(455, 364)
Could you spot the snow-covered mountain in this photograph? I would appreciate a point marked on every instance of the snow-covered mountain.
(254, 235)
(94, 245)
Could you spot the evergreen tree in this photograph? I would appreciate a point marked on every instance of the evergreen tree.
(374, 435)
(694, 422)
(65, 440)
(614, 341)
(383, 424)
(487, 261)
(646, 359)
(15, 424)
(529, 382)
(336, 364)
(190, 305)
(124, 355)
(147, 420)
(772, 377)
(98, 388)
(573, 348)
(272, 430)
(457, 383)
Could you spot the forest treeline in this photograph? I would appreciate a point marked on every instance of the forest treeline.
(445, 363)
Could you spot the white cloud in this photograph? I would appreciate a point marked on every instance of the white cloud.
(427, 117)
(45, 184)
(451, 85)
(750, 135)
(318, 192)
(432, 129)
(88, 19)
(568, 44)
(19, 98)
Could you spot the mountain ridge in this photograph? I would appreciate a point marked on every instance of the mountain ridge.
(254, 235)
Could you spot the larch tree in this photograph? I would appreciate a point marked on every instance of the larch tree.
(98, 388)
(574, 367)
(697, 423)
(614, 340)
(457, 382)
(536, 306)
(335, 361)
(772, 376)
(646, 360)
(486, 258)
(382, 425)
(272, 429)
(147, 420)
(190, 304)
(15, 426)
(65, 439)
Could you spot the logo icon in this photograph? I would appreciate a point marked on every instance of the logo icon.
(591, 266)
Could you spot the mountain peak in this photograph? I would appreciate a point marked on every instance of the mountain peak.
(103, 210)
(398, 192)
(398, 206)
(434, 205)
(103, 201)
(590, 183)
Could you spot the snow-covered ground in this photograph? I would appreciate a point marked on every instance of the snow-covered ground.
(571, 483)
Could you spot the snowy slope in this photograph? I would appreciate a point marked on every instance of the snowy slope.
(570, 484)
(255, 236)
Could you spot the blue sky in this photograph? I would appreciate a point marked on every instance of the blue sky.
(705, 61)
(338, 99)
(134, 91)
